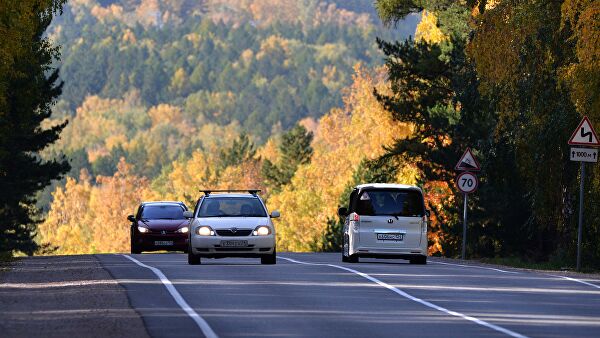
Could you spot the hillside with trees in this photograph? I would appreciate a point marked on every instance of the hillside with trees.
(304, 99)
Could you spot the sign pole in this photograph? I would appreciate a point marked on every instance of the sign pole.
(464, 241)
(580, 228)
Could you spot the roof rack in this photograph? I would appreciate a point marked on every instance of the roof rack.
(250, 191)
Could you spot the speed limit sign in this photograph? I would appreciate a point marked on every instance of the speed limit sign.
(467, 182)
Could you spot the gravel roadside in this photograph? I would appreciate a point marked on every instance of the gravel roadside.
(62, 296)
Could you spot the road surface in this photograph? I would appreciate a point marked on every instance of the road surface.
(315, 295)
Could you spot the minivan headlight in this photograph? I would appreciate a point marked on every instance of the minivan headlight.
(183, 230)
(262, 231)
(205, 231)
(143, 229)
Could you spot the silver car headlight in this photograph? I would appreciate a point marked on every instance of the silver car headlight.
(183, 230)
(262, 230)
(205, 231)
(143, 229)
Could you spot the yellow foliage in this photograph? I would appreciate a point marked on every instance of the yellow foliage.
(427, 29)
(87, 218)
(343, 139)
(165, 113)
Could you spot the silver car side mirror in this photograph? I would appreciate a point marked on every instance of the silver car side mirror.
(188, 214)
(275, 214)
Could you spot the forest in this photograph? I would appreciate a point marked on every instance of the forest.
(304, 99)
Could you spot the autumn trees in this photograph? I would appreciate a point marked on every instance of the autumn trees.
(29, 86)
(503, 78)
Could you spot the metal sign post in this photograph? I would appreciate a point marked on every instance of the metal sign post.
(580, 226)
(467, 182)
(464, 241)
(584, 135)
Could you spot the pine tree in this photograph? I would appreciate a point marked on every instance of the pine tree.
(295, 150)
(29, 85)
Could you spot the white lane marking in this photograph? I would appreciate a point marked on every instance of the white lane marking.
(577, 281)
(476, 267)
(506, 271)
(415, 299)
(202, 324)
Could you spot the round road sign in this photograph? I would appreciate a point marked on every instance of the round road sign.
(467, 182)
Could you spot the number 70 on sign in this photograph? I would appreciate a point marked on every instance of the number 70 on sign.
(467, 182)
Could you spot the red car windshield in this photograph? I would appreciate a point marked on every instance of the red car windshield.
(162, 212)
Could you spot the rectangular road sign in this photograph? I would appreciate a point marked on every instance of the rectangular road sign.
(584, 155)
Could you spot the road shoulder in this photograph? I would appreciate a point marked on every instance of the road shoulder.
(62, 296)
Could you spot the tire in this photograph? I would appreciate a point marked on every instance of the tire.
(193, 259)
(269, 259)
(421, 260)
(344, 244)
(134, 248)
(353, 258)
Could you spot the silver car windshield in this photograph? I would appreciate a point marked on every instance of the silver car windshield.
(392, 202)
(231, 207)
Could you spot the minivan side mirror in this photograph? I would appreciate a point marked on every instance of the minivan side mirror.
(343, 212)
(131, 218)
(275, 214)
(188, 214)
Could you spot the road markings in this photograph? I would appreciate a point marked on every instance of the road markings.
(202, 324)
(577, 281)
(475, 267)
(515, 272)
(415, 299)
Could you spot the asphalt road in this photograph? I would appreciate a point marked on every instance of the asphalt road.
(315, 295)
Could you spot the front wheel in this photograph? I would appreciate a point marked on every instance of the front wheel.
(193, 259)
(134, 248)
(269, 259)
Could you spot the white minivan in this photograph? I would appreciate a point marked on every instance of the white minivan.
(385, 221)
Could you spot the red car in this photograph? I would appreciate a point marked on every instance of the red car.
(159, 226)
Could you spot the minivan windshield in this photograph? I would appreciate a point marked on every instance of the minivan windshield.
(390, 202)
(232, 207)
(162, 212)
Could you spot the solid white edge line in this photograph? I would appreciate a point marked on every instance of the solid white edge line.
(577, 281)
(415, 299)
(515, 272)
(476, 267)
(202, 324)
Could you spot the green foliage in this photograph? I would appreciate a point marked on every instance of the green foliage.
(29, 86)
(295, 149)
(241, 150)
(269, 74)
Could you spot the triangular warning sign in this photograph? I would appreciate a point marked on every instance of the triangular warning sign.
(585, 135)
(467, 162)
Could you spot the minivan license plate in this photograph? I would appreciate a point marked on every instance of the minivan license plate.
(390, 237)
(234, 243)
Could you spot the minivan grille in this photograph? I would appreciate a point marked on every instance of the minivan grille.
(230, 233)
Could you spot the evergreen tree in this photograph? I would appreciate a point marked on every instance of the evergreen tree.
(241, 150)
(295, 148)
(29, 86)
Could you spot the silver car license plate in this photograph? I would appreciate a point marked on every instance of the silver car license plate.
(163, 243)
(234, 244)
(390, 237)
